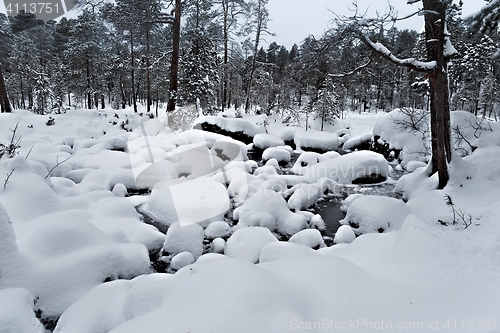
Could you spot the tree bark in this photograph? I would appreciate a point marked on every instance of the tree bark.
(132, 71)
(148, 71)
(174, 65)
(435, 19)
(3, 94)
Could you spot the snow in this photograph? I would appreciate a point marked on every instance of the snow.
(312, 139)
(16, 312)
(344, 234)
(233, 125)
(281, 155)
(195, 201)
(305, 195)
(181, 259)
(273, 204)
(184, 238)
(264, 141)
(217, 229)
(247, 242)
(63, 235)
(310, 237)
(372, 213)
(347, 168)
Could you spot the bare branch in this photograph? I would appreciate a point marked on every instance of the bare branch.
(355, 70)
(8, 177)
(58, 164)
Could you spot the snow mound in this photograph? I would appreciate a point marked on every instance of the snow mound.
(259, 220)
(284, 250)
(16, 312)
(359, 166)
(111, 304)
(344, 234)
(246, 243)
(305, 160)
(184, 238)
(181, 259)
(358, 142)
(264, 141)
(316, 140)
(310, 237)
(233, 125)
(218, 245)
(370, 213)
(116, 143)
(217, 229)
(195, 201)
(305, 195)
(273, 204)
(280, 154)
(405, 130)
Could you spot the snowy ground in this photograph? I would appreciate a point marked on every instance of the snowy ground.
(242, 253)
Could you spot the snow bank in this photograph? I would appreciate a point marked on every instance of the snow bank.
(284, 250)
(359, 166)
(111, 304)
(398, 131)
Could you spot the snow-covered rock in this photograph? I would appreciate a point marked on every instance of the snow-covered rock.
(195, 201)
(218, 245)
(246, 243)
(305, 160)
(181, 259)
(184, 238)
(316, 140)
(344, 234)
(16, 312)
(372, 213)
(280, 154)
(217, 229)
(309, 237)
(264, 141)
(273, 204)
(359, 166)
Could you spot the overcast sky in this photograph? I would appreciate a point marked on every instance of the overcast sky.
(294, 20)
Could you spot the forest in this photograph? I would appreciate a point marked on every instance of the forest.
(120, 54)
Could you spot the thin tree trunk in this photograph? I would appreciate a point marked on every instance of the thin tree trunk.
(174, 65)
(89, 97)
(132, 71)
(148, 71)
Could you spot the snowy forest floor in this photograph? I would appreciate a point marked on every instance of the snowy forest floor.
(242, 252)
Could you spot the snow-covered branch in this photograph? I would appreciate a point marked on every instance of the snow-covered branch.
(411, 63)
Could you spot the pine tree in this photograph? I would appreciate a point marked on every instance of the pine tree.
(326, 105)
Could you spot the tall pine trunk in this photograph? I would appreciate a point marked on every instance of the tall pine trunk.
(435, 19)
(132, 71)
(174, 65)
(3, 94)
